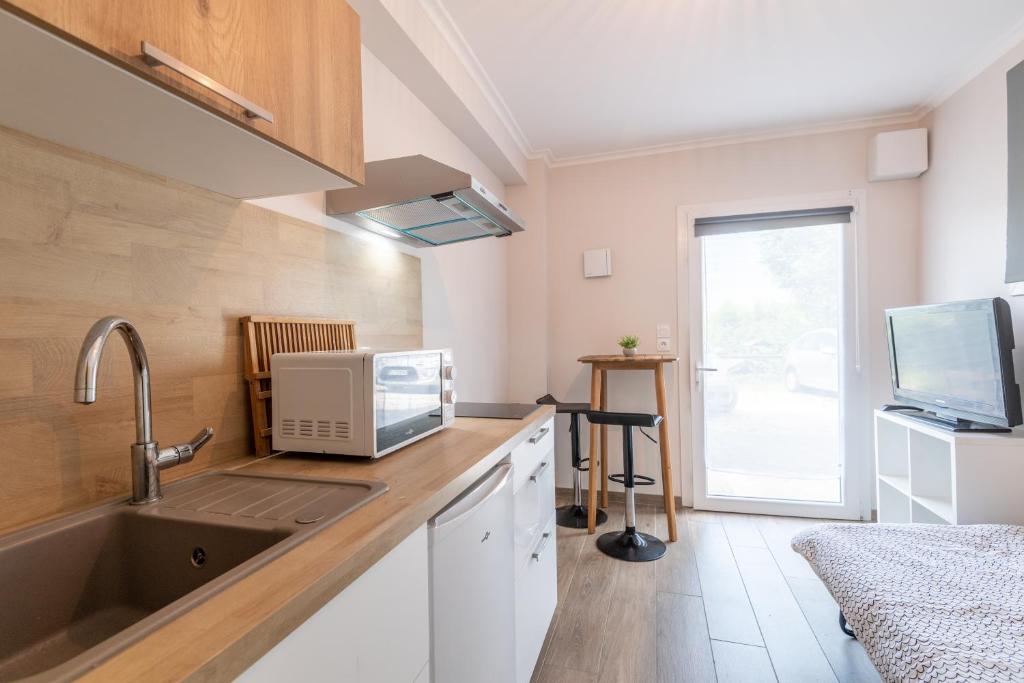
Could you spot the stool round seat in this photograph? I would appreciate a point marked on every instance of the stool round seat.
(574, 515)
(629, 545)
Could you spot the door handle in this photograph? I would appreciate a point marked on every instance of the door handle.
(154, 56)
(540, 434)
(470, 503)
(540, 468)
(541, 546)
(698, 372)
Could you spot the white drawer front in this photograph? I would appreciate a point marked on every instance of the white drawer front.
(536, 597)
(534, 505)
(527, 455)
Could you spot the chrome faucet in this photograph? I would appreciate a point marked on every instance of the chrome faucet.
(147, 456)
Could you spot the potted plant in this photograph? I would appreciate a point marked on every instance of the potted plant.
(629, 343)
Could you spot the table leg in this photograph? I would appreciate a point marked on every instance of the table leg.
(595, 403)
(604, 441)
(666, 451)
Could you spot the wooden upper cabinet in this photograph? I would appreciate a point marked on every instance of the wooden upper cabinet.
(299, 60)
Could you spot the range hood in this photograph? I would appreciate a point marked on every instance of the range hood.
(424, 203)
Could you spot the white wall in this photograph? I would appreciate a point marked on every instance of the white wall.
(630, 206)
(963, 196)
(464, 285)
(528, 287)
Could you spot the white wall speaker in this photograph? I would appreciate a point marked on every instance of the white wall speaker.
(597, 263)
(898, 154)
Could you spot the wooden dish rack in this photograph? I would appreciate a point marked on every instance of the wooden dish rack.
(267, 335)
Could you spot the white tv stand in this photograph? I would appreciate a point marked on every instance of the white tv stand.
(927, 474)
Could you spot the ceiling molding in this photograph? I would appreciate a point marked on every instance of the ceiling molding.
(450, 31)
(763, 135)
(453, 35)
(992, 54)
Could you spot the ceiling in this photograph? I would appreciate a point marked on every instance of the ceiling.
(591, 78)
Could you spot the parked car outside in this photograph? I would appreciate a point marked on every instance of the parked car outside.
(720, 390)
(812, 361)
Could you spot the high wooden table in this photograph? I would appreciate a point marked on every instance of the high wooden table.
(599, 367)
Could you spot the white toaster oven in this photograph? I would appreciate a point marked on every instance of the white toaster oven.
(365, 403)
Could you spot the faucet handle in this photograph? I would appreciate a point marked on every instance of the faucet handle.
(182, 453)
(197, 442)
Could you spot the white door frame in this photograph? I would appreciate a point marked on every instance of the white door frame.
(855, 423)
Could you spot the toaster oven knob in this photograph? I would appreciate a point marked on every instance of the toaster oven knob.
(450, 396)
(449, 372)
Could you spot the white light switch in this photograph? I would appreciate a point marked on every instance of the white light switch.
(664, 345)
(664, 332)
(1017, 289)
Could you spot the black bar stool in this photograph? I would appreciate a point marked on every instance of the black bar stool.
(573, 516)
(630, 545)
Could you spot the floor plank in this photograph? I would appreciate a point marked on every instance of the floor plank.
(794, 651)
(729, 613)
(848, 659)
(552, 673)
(578, 640)
(623, 622)
(630, 651)
(738, 663)
(742, 530)
(684, 648)
(778, 532)
(677, 571)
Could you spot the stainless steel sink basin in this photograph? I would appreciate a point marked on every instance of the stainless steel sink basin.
(77, 590)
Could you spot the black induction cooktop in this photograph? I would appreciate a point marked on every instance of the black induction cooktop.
(506, 411)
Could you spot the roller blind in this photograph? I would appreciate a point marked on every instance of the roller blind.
(748, 222)
(1015, 174)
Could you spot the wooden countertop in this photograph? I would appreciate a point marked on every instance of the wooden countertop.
(219, 639)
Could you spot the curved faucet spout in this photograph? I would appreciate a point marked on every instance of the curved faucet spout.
(89, 364)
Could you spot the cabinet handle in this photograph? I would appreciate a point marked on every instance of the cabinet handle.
(540, 435)
(154, 56)
(541, 546)
(540, 468)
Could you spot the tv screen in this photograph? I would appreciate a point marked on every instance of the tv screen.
(955, 359)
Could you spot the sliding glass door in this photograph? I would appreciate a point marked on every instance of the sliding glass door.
(773, 359)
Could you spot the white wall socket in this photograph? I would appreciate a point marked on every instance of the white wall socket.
(664, 344)
(664, 331)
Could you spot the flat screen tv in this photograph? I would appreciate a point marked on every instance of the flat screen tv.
(954, 362)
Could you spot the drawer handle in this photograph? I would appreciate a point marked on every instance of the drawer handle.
(154, 56)
(541, 546)
(540, 435)
(540, 468)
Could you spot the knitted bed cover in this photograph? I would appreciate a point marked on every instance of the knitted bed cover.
(928, 602)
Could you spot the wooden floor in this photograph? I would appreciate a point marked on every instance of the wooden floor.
(729, 602)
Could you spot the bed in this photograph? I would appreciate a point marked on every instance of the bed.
(928, 602)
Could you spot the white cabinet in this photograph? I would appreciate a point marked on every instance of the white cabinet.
(536, 575)
(536, 598)
(377, 630)
(931, 475)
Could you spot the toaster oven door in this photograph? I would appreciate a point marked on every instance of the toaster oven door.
(407, 398)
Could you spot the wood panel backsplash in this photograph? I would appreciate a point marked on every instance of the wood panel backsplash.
(82, 237)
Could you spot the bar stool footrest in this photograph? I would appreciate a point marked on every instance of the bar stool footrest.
(584, 461)
(638, 479)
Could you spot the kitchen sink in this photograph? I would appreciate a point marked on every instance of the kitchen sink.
(79, 589)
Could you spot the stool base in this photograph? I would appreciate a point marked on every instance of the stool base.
(575, 516)
(631, 545)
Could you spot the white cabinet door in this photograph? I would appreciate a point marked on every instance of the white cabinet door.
(536, 598)
(375, 631)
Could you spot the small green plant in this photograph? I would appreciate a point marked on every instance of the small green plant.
(629, 341)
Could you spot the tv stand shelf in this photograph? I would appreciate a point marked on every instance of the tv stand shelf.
(931, 475)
